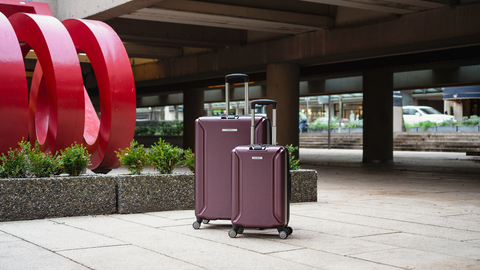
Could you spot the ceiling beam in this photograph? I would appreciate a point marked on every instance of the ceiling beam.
(152, 52)
(227, 16)
(151, 33)
(389, 6)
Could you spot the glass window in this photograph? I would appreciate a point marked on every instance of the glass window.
(429, 110)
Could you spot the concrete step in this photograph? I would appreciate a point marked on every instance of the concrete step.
(441, 142)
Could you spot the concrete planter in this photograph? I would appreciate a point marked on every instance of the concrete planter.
(317, 131)
(468, 128)
(36, 198)
(447, 129)
(155, 192)
(304, 186)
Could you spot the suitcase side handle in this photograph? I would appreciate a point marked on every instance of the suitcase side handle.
(274, 119)
(227, 90)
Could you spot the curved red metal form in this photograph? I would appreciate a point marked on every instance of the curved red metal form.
(60, 118)
(13, 89)
(116, 86)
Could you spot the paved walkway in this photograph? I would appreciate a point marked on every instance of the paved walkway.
(422, 212)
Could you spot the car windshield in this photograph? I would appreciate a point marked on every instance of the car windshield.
(429, 110)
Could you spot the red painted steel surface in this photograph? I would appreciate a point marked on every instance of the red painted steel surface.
(13, 89)
(116, 86)
(59, 110)
(64, 96)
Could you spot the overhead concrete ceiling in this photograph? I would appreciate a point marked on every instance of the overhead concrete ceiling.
(159, 29)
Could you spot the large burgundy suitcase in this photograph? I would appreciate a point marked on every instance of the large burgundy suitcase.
(261, 184)
(215, 138)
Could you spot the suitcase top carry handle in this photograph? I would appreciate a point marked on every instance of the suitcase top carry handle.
(274, 119)
(236, 75)
(263, 102)
(227, 90)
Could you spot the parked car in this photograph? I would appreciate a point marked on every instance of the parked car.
(416, 114)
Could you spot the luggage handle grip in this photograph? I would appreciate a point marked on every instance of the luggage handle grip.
(274, 119)
(236, 75)
(263, 102)
(227, 90)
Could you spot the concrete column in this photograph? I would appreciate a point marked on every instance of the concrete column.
(458, 111)
(192, 109)
(377, 116)
(283, 86)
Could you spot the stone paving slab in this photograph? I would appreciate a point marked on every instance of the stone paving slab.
(327, 261)
(416, 259)
(125, 257)
(55, 236)
(418, 242)
(24, 255)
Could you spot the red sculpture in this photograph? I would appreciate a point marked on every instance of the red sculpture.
(59, 111)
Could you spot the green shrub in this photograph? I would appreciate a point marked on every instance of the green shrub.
(294, 163)
(74, 159)
(473, 120)
(318, 125)
(145, 131)
(355, 123)
(15, 163)
(134, 158)
(43, 164)
(189, 159)
(425, 125)
(160, 128)
(447, 123)
(334, 123)
(164, 156)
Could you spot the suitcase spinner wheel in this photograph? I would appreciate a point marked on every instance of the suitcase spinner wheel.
(282, 233)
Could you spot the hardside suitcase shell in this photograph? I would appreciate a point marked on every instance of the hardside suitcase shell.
(215, 137)
(261, 185)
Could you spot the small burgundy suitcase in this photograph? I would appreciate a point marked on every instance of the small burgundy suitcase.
(215, 138)
(261, 184)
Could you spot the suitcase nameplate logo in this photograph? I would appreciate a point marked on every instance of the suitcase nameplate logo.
(229, 129)
(257, 157)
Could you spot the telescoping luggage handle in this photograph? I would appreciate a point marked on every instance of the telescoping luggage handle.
(227, 92)
(274, 119)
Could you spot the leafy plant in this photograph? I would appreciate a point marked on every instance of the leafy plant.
(134, 158)
(355, 123)
(15, 163)
(294, 163)
(160, 128)
(473, 120)
(164, 156)
(145, 131)
(447, 123)
(189, 159)
(42, 164)
(74, 159)
(334, 123)
(425, 125)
